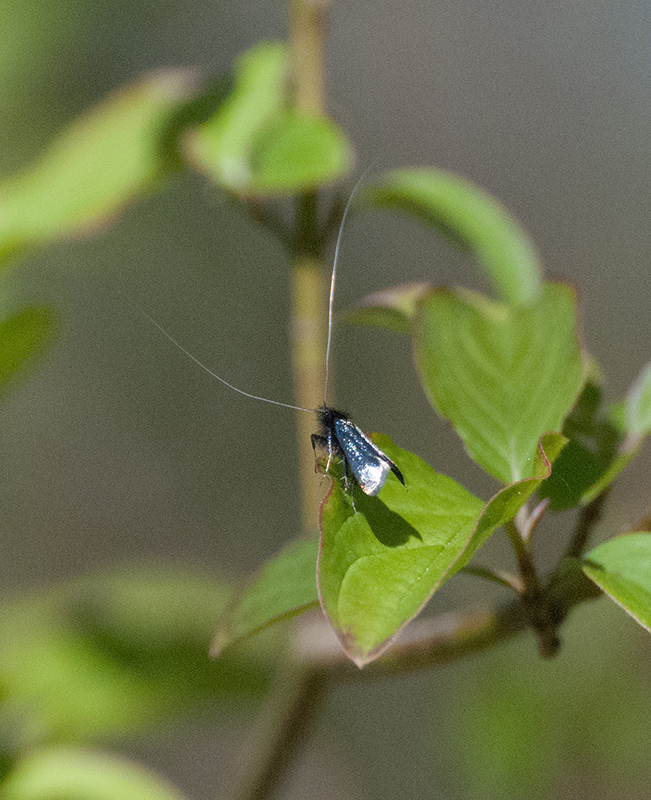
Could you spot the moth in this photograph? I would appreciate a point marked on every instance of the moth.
(338, 436)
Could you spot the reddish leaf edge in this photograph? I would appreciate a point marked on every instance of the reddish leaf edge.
(361, 658)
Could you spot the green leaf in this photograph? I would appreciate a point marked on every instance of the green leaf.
(392, 309)
(75, 774)
(24, 337)
(638, 405)
(284, 587)
(621, 460)
(507, 502)
(588, 459)
(502, 375)
(256, 145)
(472, 219)
(621, 567)
(94, 168)
(222, 145)
(296, 152)
(623, 430)
(380, 564)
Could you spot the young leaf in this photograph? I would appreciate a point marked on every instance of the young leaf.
(221, 146)
(621, 567)
(256, 145)
(392, 309)
(24, 336)
(472, 219)
(589, 454)
(632, 421)
(95, 166)
(503, 375)
(380, 564)
(76, 774)
(284, 587)
(297, 152)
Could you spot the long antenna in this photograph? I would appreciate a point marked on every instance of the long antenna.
(205, 368)
(333, 280)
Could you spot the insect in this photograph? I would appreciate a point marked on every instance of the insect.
(338, 436)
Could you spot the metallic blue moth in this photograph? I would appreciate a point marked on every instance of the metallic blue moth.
(341, 438)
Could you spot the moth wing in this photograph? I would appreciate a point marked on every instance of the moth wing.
(369, 464)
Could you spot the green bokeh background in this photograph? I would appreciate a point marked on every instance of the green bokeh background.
(118, 449)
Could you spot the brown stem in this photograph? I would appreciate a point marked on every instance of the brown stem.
(309, 318)
(447, 637)
(588, 518)
(535, 597)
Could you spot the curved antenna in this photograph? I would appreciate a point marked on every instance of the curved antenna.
(205, 368)
(333, 280)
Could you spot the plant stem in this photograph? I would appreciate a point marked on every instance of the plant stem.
(307, 25)
(451, 636)
(588, 518)
(308, 339)
(309, 320)
(535, 597)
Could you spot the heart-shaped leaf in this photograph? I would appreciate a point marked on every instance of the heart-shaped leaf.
(256, 144)
(382, 560)
(472, 219)
(503, 375)
(94, 167)
(284, 587)
(621, 567)
(377, 566)
(76, 774)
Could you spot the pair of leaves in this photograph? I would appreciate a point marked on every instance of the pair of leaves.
(250, 142)
(256, 144)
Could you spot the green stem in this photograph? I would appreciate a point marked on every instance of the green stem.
(309, 319)
(299, 688)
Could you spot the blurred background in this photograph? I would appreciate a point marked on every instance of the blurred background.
(117, 448)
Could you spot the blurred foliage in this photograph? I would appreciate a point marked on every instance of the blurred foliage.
(24, 337)
(75, 774)
(118, 653)
(576, 726)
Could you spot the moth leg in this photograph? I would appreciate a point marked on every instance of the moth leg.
(348, 485)
(317, 442)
